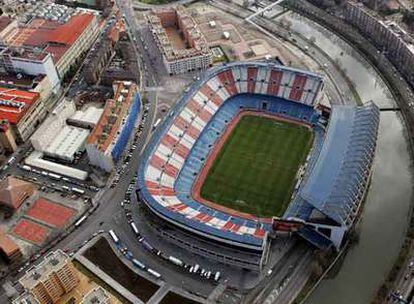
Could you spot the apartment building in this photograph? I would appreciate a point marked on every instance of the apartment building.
(182, 45)
(51, 279)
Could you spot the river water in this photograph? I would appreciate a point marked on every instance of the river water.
(385, 214)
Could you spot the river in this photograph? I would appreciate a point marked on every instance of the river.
(385, 214)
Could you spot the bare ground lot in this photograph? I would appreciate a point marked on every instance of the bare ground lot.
(102, 255)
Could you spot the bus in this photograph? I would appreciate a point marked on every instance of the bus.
(138, 264)
(154, 273)
(55, 176)
(26, 168)
(79, 191)
(147, 245)
(175, 261)
(156, 123)
(134, 228)
(113, 236)
(80, 221)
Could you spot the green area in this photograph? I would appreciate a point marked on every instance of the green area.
(219, 55)
(256, 168)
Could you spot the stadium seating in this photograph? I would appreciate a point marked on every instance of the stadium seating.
(182, 144)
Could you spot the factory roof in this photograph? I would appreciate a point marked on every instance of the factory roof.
(15, 103)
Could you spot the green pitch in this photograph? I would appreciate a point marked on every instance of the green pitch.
(256, 168)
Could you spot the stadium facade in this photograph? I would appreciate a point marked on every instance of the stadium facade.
(327, 196)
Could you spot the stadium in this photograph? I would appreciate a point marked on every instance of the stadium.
(247, 152)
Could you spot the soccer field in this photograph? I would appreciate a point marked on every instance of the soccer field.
(256, 167)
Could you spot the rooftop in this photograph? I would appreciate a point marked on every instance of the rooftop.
(24, 53)
(7, 245)
(21, 81)
(96, 296)
(15, 103)
(25, 298)
(4, 22)
(51, 36)
(161, 24)
(13, 191)
(112, 117)
(52, 262)
(67, 142)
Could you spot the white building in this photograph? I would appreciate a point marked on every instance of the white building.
(30, 62)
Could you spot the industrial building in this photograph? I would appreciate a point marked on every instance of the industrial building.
(51, 279)
(110, 136)
(65, 130)
(65, 42)
(182, 45)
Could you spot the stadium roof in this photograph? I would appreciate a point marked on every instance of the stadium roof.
(339, 170)
(15, 103)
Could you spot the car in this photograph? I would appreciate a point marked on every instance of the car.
(269, 272)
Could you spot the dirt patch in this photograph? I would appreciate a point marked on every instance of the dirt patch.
(173, 298)
(102, 255)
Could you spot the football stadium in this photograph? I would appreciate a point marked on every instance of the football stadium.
(247, 153)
